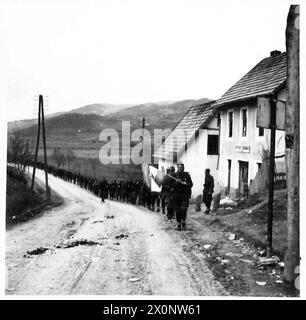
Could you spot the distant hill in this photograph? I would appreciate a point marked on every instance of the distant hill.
(100, 109)
(93, 117)
(23, 124)
(72, 123)
(20, 124)
(80, 131)
(153, 109)
(157, 115)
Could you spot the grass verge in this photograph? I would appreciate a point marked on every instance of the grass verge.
(22, 203)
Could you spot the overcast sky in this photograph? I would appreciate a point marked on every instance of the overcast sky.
(133, 51)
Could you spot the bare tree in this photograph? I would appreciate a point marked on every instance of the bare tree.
(18, 151)
(28, 156)
(292, 258)
(59, 157)
(70, 156)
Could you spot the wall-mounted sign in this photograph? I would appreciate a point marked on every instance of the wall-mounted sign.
(244, 149)
(264, 113)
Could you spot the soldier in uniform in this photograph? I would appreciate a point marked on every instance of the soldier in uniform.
(102, 190)
(115, 186)
(181, 195)
(95, 187)
(208, 190)
(85, 183)
(81, 182)
(137, 189)
(132, 192)
(74, 178)
(143, 194)
(111, 190)
(120, 190)
(124, 191)
(105, 187)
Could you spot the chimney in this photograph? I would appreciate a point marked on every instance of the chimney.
(275, 53)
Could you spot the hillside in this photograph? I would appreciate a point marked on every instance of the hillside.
(158, 115)
(80, 132)
(164, 113)
(157, 109)
(100, 109)
(73, 123)
(20, 124)
(26, 123)
(87, 119)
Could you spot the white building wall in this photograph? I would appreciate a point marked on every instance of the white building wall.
(253, 140)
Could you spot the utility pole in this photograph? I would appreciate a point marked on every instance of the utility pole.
(41, 102)
(292, 257)
(41, 120)
(271, 174)
(37, 147)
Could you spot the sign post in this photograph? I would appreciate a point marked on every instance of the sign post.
(271, 115)
(271, 176)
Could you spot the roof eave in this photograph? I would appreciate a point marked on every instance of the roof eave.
(203, 126)
(280, 87)
(270, 92)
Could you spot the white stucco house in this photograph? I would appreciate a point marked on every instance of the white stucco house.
(241, 141)
(195, 142)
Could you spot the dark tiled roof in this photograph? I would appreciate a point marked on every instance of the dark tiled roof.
(266, 77)
(196, 117)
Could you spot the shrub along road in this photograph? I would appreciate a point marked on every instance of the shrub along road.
(89, 248)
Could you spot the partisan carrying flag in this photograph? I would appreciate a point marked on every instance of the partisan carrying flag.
(153, 177)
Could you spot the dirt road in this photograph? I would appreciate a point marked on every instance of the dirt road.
(90, 248)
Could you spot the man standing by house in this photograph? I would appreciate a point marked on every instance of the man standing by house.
(181, 195)
(208, 190)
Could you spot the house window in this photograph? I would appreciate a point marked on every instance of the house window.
(261, 132)
(229, 162)
(230, 124)
(244, 122)
(258, 165)
(212, 144)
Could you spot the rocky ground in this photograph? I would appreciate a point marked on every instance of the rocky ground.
(236, 260)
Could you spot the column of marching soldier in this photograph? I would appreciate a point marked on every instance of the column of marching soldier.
(129, 191)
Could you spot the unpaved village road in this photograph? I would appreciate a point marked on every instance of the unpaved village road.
(136, 251)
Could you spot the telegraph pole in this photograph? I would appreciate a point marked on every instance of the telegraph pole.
(41, 102)
(292, 257)
(41, 120)
(37, 147)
